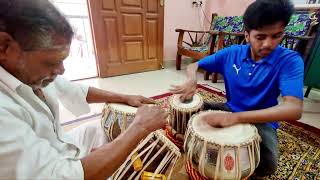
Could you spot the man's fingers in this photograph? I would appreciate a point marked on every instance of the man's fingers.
(148, 100)
(183, 97)
(138, 104)
(176, 91)
(189, 95)
(175, 88)
(186, 96)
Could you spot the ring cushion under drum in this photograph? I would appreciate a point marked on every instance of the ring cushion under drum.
(158, 155)
(193, 173)
(180, 115)
(116, 118)
(222, 153)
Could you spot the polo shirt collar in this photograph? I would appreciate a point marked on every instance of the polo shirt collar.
(270, 59)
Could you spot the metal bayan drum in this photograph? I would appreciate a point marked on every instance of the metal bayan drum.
(222, 153)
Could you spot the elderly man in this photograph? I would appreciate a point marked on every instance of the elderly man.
(34, 40)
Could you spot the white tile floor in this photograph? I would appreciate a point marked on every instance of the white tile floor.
(158, 82)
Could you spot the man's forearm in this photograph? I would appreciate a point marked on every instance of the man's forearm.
(100, 96)
(192, 72)
(101, 163)
(283, 112)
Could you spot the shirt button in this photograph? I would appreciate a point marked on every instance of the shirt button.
(250, 74)
(253, 65)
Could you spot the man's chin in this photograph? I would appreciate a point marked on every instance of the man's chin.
(264, 54)
(45, 83)
(42, 84)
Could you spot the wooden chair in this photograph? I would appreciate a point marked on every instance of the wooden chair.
(204, 43)
(197, 46)
(298, 33)
(231, 31)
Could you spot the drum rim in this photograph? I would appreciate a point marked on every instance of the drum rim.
(119, 111)
(175, 107)
(254, 137)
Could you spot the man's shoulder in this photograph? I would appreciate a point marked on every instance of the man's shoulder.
(237, 47)
(289, 55)
(8, 103)
(6, 98)
(289, 61)
(237, 50)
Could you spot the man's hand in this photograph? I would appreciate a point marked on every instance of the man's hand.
(187, 89)
(150, 118)
(138, 101)
(219, 119)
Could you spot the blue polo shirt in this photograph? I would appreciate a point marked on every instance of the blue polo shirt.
(254, 85)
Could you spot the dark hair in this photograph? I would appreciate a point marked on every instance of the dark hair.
(267, 12)
(33, 23)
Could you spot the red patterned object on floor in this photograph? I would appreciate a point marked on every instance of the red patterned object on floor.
(178, 143)
(193, 173)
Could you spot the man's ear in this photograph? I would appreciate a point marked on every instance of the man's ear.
(7, 46)
(5, 39)
(246, 35)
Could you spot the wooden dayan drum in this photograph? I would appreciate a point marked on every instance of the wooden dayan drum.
(181, 112)
(116, 118)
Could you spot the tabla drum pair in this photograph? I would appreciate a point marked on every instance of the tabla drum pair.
(221, 153)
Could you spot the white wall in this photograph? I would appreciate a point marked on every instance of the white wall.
(179, 14)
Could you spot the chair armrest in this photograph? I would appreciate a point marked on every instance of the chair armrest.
(234, 33)
(299, 37)
(227, 33)
(192, 31)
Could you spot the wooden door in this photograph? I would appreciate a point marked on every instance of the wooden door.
(128, 35)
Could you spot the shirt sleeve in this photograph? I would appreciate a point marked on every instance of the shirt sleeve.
(24, 155)
(214, 62)
(291, 78)
(73, 96)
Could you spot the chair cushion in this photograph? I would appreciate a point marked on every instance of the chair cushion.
(229, 24)
(202, 49)
(299, 25)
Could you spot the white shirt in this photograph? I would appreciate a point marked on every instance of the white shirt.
(32, 142)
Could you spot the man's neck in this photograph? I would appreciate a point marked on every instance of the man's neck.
(254, 57)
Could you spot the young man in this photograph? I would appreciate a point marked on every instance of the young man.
(255, 75)
(34, 40)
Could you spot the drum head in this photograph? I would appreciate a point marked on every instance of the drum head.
(237, 134)
(123, 108)
(195, 103)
